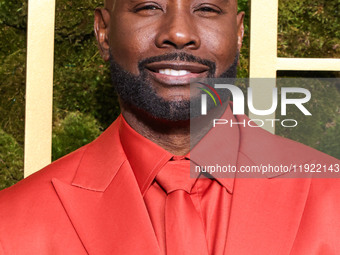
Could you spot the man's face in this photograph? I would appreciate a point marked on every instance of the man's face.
(166, 43)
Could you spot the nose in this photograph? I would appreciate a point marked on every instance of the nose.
(178, 31)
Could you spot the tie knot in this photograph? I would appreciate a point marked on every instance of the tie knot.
(175, 175)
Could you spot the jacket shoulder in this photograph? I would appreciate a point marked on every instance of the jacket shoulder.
(263, 147)
(38, 185)
(31, 215)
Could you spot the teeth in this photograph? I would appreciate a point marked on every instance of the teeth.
(173, 72)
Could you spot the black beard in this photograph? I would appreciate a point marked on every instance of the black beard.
(135, 90)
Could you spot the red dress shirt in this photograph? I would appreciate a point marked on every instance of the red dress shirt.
(211, 196)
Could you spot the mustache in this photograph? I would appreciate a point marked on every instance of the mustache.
(179, 56)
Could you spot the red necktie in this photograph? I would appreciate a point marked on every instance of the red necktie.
(183, 226)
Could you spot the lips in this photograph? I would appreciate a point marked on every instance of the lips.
(176, 73)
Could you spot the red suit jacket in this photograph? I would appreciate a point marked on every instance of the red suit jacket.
(89, 203)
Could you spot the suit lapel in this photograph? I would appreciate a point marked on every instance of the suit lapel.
(265, 215)
(266, 212)
(104, 202)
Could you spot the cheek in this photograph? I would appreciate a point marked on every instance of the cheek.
(129, 43)
(222, 44)
(227, 55)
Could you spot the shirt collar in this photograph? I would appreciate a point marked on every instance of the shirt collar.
(147, 158)
(220, 147)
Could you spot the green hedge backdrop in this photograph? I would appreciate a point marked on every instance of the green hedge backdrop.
(84, 101)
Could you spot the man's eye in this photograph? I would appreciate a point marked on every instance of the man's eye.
(208, 10)
(146, 8)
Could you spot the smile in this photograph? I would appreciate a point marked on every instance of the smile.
(176, 72)
(173, 72)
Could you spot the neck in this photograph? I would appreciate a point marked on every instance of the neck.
(175, 137)
(171, 136)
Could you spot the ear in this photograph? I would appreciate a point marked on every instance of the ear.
(240, 29)
(101, 29)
